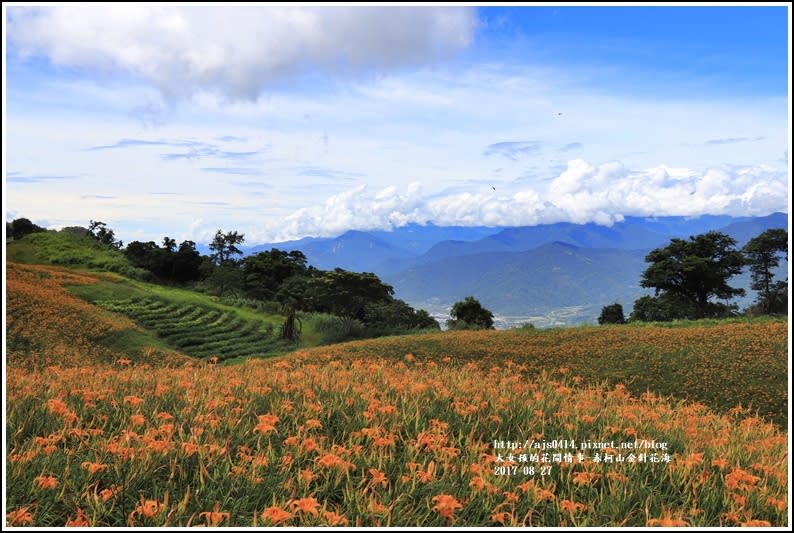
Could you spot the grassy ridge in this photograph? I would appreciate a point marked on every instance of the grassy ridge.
(70, 250)
(721, 364)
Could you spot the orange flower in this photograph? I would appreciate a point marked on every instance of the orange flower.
(266, 423)
(307, 475)
(500, 517)
(19, 517)
(778, 504)
(138, 420)
(755, 523)
(190, 448)
(275, 515)
(667, 520)
(306, 505)
(477, 482)
(719, 463)
(510, 497)
(545, 494)
(108, 493)
(313, 423)
(124, 362)
(334, 519)
(585, 478)
(81, 520)
(147, 509)
(47, 482)
(133, 400)
(446, 505)
(214, 518)
(378, 477)
(572, 507)
(93, 468)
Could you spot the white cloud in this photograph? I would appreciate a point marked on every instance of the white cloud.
(584, 192)
(238, 50)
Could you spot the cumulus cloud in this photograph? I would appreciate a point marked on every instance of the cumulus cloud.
(238, 50)
(582, 193)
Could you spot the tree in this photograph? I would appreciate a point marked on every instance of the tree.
(265, 272)
(225, 245)
(345, 293)
(21, 227)
(104, 234)
(762, 254)
(696, 270)
(470, 314)
(169, 244)
(612, 314)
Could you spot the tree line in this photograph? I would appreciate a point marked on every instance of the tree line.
(691, 279)
(281, 278)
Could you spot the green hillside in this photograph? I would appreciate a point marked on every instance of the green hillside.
(164, 318)
(720, 363)
(193, 323)
(70, 249)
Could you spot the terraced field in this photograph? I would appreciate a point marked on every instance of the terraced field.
(198, 330)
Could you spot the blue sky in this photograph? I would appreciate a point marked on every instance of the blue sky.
(298, 121)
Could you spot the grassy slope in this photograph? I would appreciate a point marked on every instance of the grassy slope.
(82, 255)
(69, 250)
(718, 363)
(46, 325)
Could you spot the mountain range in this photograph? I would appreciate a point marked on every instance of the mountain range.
(549, 274)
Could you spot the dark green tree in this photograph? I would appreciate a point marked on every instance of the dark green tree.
(22, 226)
(104, 234)
(169, 244)
(470, 314)
(696, 270)
(612, 314)
(762, 254)
(265, 272)
(345, 293)
(225, 246)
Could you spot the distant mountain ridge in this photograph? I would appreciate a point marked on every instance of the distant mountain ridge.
(521, 270)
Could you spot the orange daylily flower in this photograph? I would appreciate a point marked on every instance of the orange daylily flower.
(215, 517)
(572, 506)
(446, 505)
(306, 505)
(335, 519)
(19, 517)
(275, 515)
(47, 482)
(93, 468)
(81, 520)
(378, 477)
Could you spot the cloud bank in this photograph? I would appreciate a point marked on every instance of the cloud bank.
(582, 193)
(238, 51)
